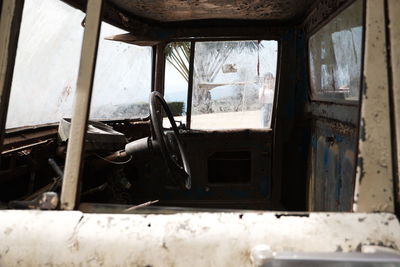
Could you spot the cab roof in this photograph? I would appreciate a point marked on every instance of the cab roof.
(195, 13)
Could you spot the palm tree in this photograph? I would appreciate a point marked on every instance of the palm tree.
(178, 54)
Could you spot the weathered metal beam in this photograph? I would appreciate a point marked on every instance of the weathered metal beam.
(190, 85)
(159, 68)
(73, 238)
(76, 142)
(394, 36)
(374, 179)
(283, 121)
(223, 32)
(147, 30)
(132, 39)
(10, 22)
(120, 19)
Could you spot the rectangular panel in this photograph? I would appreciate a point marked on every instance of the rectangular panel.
(229, 167)
(333, 156)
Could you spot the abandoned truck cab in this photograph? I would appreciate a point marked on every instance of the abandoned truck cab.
(202, 133)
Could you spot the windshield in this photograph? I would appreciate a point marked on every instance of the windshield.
(47, 62)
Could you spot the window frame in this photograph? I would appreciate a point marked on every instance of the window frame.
(190, 81)
(313, 97)
(45, 124)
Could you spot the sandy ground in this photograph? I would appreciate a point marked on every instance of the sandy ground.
(226, 120)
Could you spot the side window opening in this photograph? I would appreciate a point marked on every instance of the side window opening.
(177, 80)
(47, 62)
(335, 55)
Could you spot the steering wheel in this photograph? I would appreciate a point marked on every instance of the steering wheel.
(178, 167)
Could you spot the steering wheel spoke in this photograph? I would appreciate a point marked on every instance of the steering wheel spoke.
(182, 170)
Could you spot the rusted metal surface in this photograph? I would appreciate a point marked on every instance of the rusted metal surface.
(333, 158)
(347, 114)
(73, 163)
(146, 30)
(332, 166)
(17, 140)
(142, 17)
(132, 39)
(374, 180)
(25, 147)
(394, 26)
(323, 11)
(283, 122)
(190, 86)
(291, 125)
(119, 13)
(44, 201)
(72, 238)
(175, 10)
(10, 21)
(334, 137)
(203, 148)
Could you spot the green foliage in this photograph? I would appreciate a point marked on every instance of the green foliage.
(176, 108)
(178, 54)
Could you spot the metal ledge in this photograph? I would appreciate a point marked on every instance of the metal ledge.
(72, 238)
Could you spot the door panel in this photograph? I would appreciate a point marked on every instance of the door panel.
(230, 169)
(333, 150)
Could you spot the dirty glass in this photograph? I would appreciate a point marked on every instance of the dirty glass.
(47, 63)
(233, 84)
(122, 81)
(335, 57)
(177, 56)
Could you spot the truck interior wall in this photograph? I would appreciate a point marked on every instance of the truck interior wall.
(332, 160)
(291, 129)
(333, 133)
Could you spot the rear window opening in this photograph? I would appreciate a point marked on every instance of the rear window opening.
(232, 87)
(234, 84)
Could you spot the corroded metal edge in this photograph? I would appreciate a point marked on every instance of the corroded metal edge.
(10, 21)
(81, 108)
(374, 179)
(394, 27)
(72, 238)
(322, 10)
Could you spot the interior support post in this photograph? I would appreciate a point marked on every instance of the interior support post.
(190, 85)
(159, 68)
(393, 8)
(10, 22)
(76, 142)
